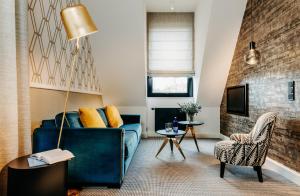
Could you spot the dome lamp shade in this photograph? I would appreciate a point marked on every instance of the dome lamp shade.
(77, 21)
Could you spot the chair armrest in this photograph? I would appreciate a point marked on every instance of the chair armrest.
(241, 138)
(131, 118)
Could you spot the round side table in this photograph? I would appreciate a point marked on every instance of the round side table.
(190, 127)
(171, 137)
(47, 180)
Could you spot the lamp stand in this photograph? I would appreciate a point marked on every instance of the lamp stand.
(68, 90)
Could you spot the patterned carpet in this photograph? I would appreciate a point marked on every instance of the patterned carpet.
(170, 175)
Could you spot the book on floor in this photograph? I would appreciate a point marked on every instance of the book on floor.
(52, 156)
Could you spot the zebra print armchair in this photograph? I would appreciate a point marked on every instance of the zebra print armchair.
(248, 149)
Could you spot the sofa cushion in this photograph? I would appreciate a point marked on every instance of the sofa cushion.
(90, 118)
(48, 124)
(72, 120)
(136, 128)
(113, 116)
(103, 116)
(131, 143)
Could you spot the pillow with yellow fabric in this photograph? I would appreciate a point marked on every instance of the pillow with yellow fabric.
(90, 118)
(113, 116)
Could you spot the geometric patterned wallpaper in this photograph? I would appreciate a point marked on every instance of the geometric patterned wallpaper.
(51, 54)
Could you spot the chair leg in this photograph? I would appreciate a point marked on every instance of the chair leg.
(222, 169)
(259, 173)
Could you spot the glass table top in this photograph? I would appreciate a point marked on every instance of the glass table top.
(190, 122)
(170, 133)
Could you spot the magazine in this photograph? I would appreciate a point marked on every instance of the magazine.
(53, 156)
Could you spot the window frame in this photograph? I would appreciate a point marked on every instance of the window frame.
(150, 92)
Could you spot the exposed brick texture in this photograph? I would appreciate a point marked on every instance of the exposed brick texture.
(277, 34)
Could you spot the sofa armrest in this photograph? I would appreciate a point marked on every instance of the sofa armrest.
(131, 118)
(99, 153)
(44, 139)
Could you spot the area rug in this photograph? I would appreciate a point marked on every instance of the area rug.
(171, 175)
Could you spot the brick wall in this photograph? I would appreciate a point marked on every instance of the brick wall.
(277, 34)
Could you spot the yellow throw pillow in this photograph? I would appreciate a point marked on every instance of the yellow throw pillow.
(113, 116)
(90, 118)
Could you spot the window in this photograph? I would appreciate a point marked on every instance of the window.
(170, 54)
(170, 86)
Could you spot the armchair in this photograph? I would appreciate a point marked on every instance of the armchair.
(247, 149)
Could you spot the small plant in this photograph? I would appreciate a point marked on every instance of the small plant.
(190, 108)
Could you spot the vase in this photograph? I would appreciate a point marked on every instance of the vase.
(191, 117)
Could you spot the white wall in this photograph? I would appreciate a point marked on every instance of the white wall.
(161, 102)
(202, 16)
(142, 110)
(210, 116)
(120, 56)
(120, 53)
(217, 24)
(165, 5)
(119, 50)
(45, 103)
(224, 25)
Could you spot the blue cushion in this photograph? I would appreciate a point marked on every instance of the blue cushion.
(131, 143)
(72, 120)
(103, 116)
(48, 123)
(136, 128)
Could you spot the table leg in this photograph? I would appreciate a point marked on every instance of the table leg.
(171, 144)
(178, 146)
(195, 139)
(186, 131)
(162, 146)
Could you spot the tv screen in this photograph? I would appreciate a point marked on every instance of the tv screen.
(237, 100)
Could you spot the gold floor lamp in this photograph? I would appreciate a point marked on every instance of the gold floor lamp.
(78, 23)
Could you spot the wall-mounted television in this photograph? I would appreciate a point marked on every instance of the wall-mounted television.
(237, 100)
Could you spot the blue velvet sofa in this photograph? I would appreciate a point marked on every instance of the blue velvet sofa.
(102, 155)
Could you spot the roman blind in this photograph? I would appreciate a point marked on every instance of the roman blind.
(170, 43)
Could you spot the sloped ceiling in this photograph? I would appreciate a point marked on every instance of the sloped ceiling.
(119, 49)
(217, 51)
(165, 5)
(120, 46)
